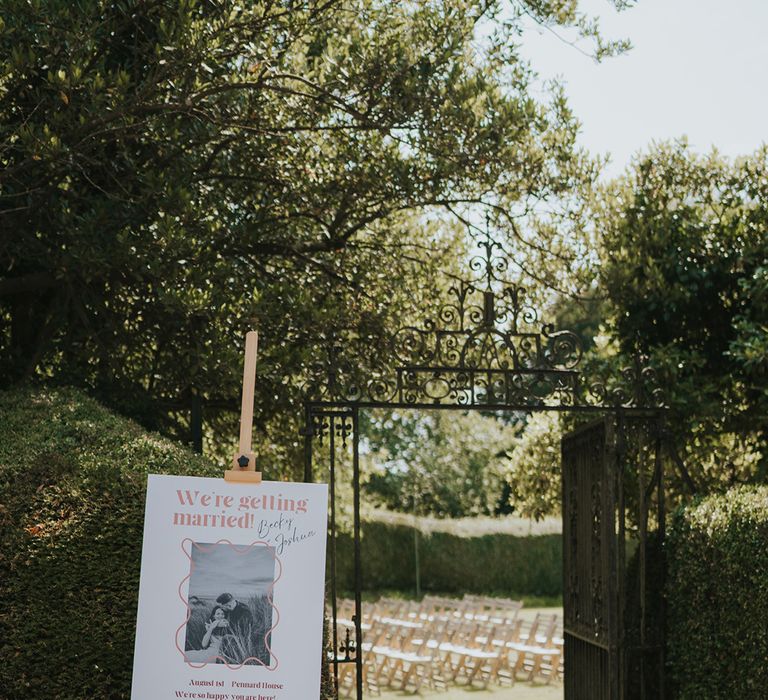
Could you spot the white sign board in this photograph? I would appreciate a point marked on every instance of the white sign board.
(232, 590)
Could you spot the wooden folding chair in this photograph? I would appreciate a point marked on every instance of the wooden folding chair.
(536, 648)
(459, 647)
(485, 660)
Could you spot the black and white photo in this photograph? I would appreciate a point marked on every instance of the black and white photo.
(230, 604)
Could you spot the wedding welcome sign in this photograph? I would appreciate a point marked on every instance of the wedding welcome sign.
(232, 590)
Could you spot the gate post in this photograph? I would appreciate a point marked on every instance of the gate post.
(358, 563)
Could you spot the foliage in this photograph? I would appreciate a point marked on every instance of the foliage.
(532, 470)
(473, 526)
(72, 487)
(448, 563)
(172, 174)
(684, 255)
(447, 464)
(718, 569)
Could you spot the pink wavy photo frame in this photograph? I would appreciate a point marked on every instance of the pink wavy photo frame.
(237, 549)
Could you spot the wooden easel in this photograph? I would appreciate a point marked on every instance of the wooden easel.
(244, 462)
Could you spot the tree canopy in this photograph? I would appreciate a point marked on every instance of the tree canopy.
(439, 463)
(681, 280)
(172, 174)
(684, 267)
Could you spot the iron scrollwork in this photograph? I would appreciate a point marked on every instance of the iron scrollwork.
(484, 347)
(596, 564)
(347, 647)
(634, 385)
(323, 423)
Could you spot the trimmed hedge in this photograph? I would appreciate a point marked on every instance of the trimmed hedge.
(718, 597)
(497, 563)
(72, 489)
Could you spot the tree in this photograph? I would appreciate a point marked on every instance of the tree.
(684, 266)
(174, 173)
(441, 463)
(532, 470)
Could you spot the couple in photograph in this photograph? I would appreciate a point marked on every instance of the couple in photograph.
(228, 632)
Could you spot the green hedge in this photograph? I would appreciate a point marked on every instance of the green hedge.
(497, 563)
(72, 487)
(718, 597)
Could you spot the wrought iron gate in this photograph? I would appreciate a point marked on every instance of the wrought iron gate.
(486, 349)
(613, 527)
(613, 572)
(590, 574)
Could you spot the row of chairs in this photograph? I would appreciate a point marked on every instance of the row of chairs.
(442, 641)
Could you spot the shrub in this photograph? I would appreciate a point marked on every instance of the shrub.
(72, 489)
(718, 597)
(497, 563)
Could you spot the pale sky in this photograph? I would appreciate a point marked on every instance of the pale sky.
(698, 68)
(222, 568)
